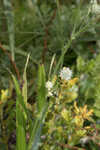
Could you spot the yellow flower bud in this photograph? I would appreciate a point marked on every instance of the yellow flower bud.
(4, 95)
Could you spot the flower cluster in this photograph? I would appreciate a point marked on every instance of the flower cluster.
(49, 86)
(82, 113)
(65, 74)
(65, 119)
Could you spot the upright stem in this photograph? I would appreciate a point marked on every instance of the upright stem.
(64, 50)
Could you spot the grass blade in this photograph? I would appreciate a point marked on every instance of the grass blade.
(10, 23)
(24, 89)
(42, 107)
(36, 132)
(41, 97)
(20, 118)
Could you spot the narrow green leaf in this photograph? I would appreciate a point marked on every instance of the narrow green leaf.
(42, 107)
(36, 131)
(41, 97)
(20, 128)
(18, 92)
(21, 114)
(51, 65)
(24, 89)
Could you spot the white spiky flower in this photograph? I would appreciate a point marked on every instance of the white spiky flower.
(65, 73)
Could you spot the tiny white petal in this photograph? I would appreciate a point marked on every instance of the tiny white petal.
(50, 93)
(84, 140)
(49, 86)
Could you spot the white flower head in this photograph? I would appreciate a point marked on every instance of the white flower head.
(65, 73)
(95, 7)
(84, 140)
(49, 85)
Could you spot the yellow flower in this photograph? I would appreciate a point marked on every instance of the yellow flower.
(72, 82)
(79, 121)
(81, 114)
(90, 112)
(76, 108)
(66, 115)
(85, 113)
(87, 127)
(4, 95)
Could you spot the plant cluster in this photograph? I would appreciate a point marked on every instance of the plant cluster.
(44, 105)
(65, 121)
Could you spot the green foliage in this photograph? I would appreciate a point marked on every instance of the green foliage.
(41, 97)
(65, 120)
(7, 115)
(22, 113)
(68, 33)
(9, 13)
(20, 119)
(42, 107)
(24, 89)
(90, 82)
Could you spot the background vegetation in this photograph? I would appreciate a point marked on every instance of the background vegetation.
(38, 38)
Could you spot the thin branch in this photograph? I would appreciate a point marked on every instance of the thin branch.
(11, 60)
(46, 36)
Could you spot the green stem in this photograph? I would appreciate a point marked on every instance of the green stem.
(60, 61)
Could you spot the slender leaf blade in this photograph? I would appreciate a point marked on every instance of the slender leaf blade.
(20, 118)
(41, 94)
